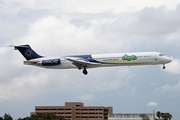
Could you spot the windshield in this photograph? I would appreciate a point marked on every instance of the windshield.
(161, 54)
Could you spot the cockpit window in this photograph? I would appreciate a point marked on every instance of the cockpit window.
(161, 54)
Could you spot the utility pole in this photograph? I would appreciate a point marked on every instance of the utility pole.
(153, 115)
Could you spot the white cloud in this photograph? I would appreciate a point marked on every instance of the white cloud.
(173, 38)
(153, 83)
(88, 6)
(24, 86)
(86, 97)
(174, 66)
(53, 35)
(59, 34)
(169, 88)
(152, 104)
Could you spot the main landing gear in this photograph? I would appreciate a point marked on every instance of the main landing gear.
(85, 71)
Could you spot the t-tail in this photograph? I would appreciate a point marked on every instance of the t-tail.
(27, 52)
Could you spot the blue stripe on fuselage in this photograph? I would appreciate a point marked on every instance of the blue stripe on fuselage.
(88, 58)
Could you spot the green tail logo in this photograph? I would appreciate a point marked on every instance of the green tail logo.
(129, 58)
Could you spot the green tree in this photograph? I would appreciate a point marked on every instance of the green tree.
(7, 117)
(158, 114)
(170, 116)
(40, 115)
(44, 116)
(163, 115)
(20, 119)
(1, 118)
(33, 116)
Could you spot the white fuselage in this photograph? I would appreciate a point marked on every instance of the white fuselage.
(104, 60)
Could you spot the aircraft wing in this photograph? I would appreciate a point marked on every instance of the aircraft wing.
(80, 62)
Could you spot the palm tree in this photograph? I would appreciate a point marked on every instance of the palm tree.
(40, 115)
(36, 116)
(48, 116)
(170, 116)
(158, 114)
(7, 117)
(44, 116)
(54, 116)
(33, 116)
(163, 115)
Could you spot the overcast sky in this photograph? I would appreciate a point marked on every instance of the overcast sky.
(65, 27)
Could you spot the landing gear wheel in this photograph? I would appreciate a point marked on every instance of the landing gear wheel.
(85, 72)
(164, 67)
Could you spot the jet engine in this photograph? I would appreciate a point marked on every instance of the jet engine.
(51, 62)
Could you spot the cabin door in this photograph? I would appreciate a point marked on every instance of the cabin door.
(155, 57)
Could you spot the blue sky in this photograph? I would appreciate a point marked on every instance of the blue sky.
(66, 27)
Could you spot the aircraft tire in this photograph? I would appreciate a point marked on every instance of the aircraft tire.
(85, 72)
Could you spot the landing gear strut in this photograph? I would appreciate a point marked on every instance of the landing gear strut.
(164, 67)
(85, 71)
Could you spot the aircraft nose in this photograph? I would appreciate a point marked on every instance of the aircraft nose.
(168, 60)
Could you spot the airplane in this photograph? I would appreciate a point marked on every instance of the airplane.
(91, 60)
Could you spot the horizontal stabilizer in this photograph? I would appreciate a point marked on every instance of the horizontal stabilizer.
(31, 62)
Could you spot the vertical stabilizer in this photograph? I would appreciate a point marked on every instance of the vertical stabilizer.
(27, 52)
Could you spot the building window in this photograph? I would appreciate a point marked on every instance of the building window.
(84, 117)
(92, 117)
(67, 109)
(98, 116)
(77, 109)
(67, 116)
(98, 113)
(92, 113)
(38, 109)
(91, 109)
(84, 109)
(78, 105)
(45, 109)
(53, 109)
(60, 113)
(78, 113)
(105, 110)
(60, 109)
(67, 113)
(78, 117)
(84, 113)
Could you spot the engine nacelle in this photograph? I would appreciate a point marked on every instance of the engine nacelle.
(51, 62)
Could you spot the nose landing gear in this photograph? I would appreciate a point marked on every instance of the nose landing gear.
(164, 67)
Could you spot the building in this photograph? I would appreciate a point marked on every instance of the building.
(76, 111)
(129, 116)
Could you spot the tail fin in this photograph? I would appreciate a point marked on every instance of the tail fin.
(27, 52)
